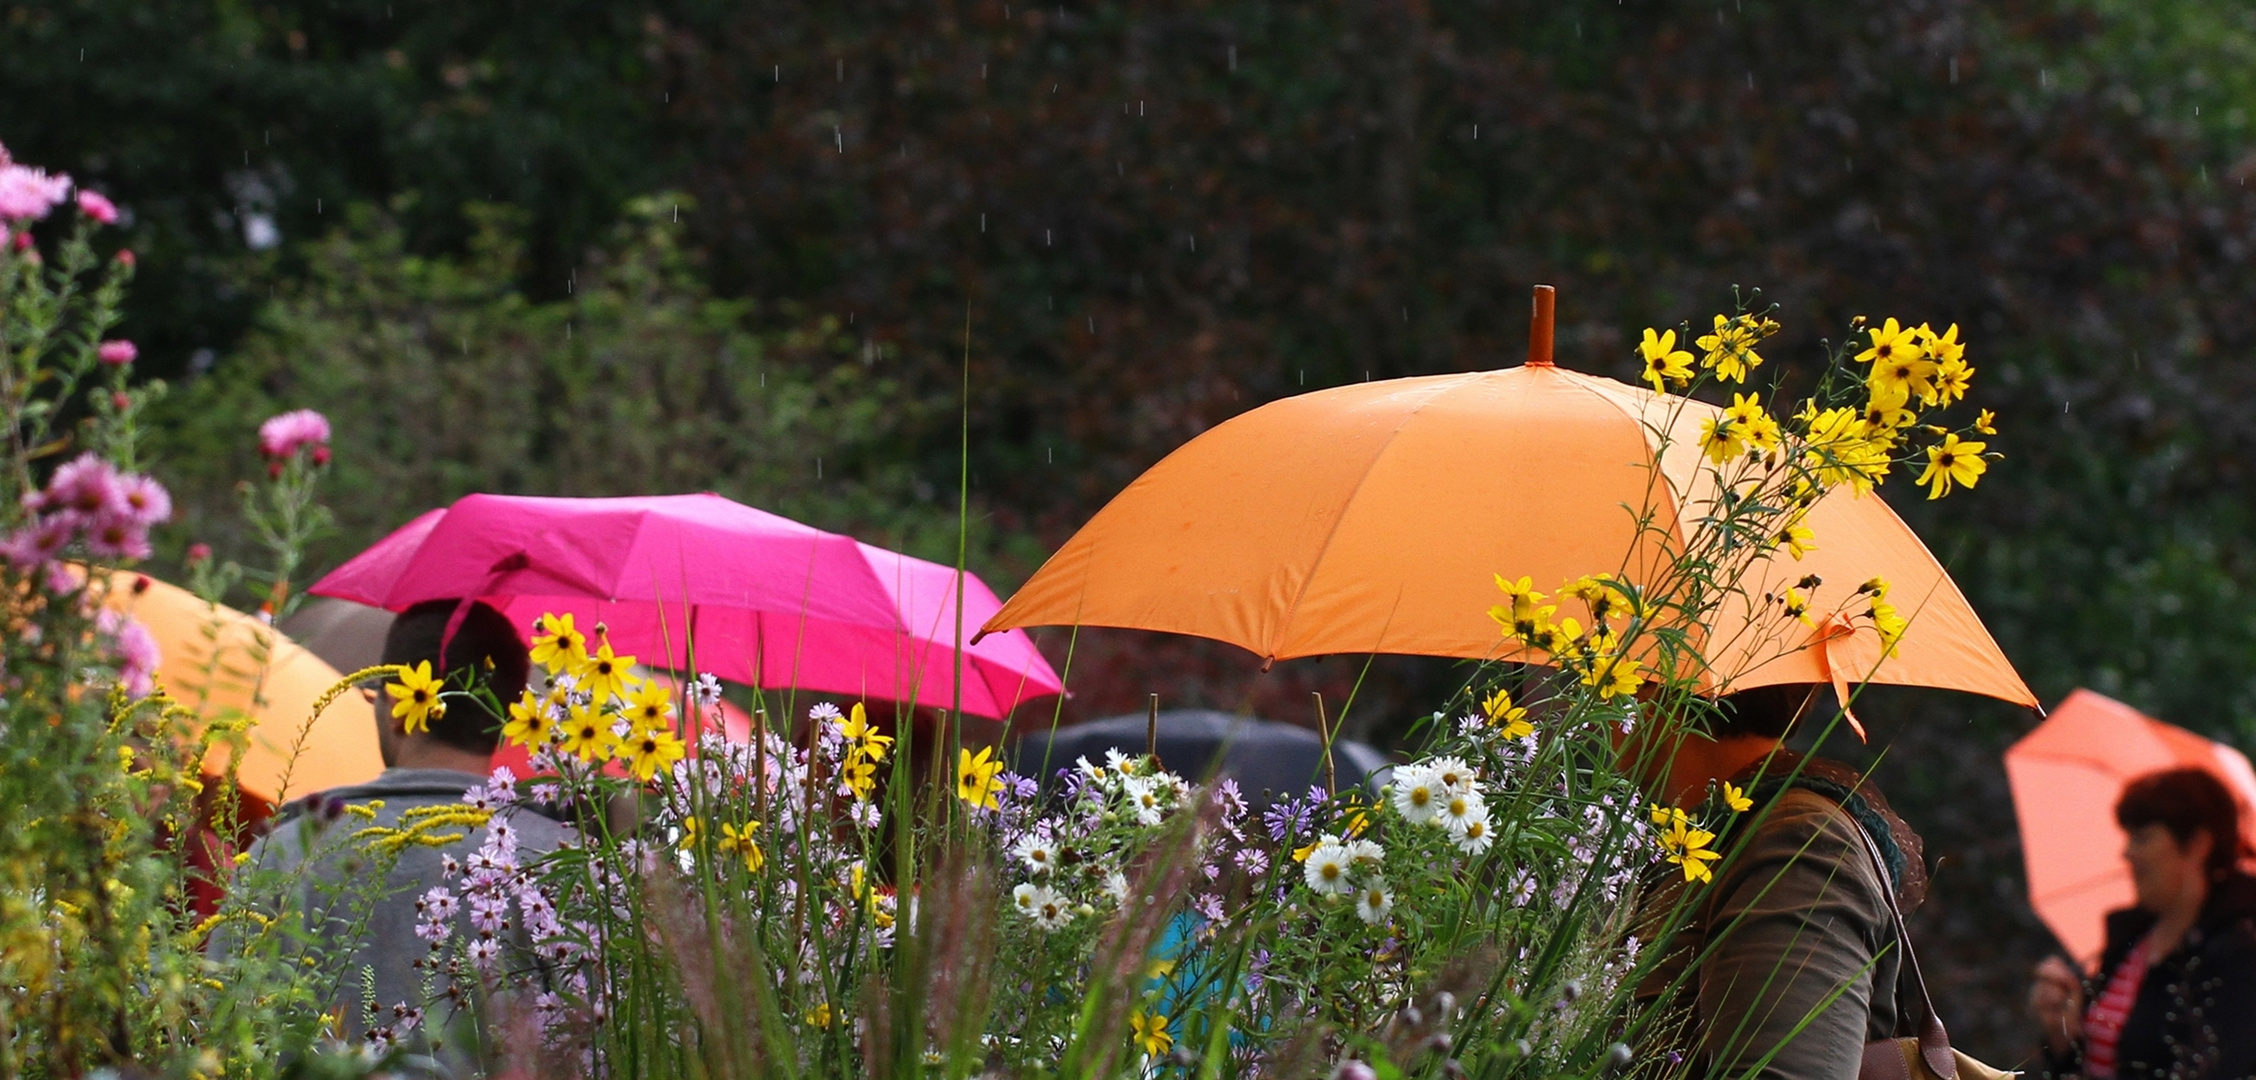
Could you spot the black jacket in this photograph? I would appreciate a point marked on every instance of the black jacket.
(2195, 1015)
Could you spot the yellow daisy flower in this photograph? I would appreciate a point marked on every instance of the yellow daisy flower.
(1664, 362)
(975, 777)
(557, 646)
(415, 698)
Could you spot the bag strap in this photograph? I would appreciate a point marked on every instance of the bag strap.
(1934, 1041)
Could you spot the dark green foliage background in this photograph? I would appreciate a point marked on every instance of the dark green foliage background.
(1158, 215)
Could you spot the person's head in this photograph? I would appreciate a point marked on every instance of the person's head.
(480, 647)
(1672, 760)
(2182, 832)
(1765, 712)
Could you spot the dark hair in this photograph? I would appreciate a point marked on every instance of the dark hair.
(484, 645)
(1767, 711)
(2185, 801)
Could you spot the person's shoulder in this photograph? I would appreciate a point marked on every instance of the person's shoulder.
(1807, 819)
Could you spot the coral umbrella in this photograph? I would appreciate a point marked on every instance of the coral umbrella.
(2067, 776)
(1372, 518)
(697, 582)
(220, 662)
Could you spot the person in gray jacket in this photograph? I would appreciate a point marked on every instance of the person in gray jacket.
(1786, 964)
(415, 931)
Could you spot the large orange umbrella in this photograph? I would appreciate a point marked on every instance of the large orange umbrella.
(1373, 518)
(2067, 776)
(221, 662)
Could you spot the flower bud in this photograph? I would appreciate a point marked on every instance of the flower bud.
(321, 455)
(125, 257)
(199, 553)
(119, 401)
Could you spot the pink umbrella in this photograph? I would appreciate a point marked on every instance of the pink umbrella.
(697, 582)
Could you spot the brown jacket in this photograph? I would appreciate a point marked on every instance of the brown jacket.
(1788, 963)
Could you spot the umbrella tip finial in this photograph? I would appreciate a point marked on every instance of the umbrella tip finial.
(1539, 330)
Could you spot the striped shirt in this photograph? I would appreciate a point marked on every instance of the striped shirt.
(2103, 1022)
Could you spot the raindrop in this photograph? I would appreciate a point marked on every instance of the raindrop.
(840, 134)
(567, 331)
(1954, 71)
(1750, 80)
(81, 56)
(1233, 59)
(983, 71)
(316, 206)
(1092, 325)
(1045, 238)
(778, 78)
(1304, 376)
(1050, 300)
(763, 380)
(1194, 242)
(982, 223)
(677, 212)
(1118, 169)
(1476, 132)
(2044, 78)
(818, 468)
(1051, 453)
(842, 69)
(1139, 106)
(268, 134)
(669, 97)
(1366, 374)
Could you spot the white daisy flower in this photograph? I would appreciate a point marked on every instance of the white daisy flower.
(1051, 911)
(1417, 795)
(1042, 905)
(1373, 903)
(1453, 773)
(822, 711)
(1119, 762)
(1458, 806)
(1116, 887)
(1472, 833)
(1329, 870)
(1144, 798)
(1364, 856)
(1035, 851)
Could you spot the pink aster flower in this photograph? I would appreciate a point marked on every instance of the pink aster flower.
(146, 501)
(27, 194)
(117, 537)
(286, 434)
(117, 353)
(34, 545)
(88, 488)
(93, 205)
(137, 651)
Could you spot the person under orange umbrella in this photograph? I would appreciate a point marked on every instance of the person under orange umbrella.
(2175, 995)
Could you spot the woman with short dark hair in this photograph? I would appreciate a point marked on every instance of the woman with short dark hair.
(2175, 995)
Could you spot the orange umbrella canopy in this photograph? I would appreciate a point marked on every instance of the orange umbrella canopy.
(2067, 776)
(1374, 517)
(221, 662)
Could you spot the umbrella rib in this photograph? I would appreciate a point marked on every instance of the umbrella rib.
(1316, 565)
